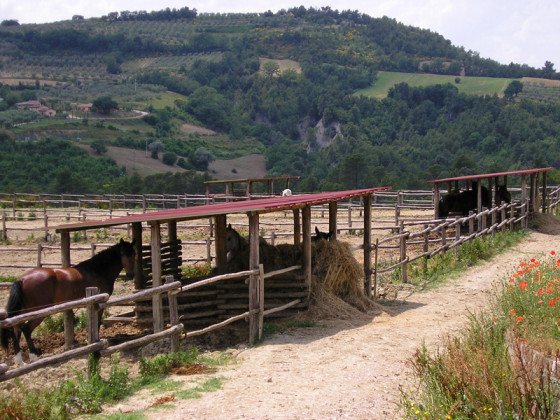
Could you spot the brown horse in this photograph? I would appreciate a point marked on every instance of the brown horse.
(43, 287)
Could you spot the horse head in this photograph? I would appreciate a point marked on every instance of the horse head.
(321, 235)
(128, 257)
(503, 194)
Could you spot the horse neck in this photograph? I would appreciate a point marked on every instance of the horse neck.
(106, 266)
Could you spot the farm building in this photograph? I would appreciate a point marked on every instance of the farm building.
(209, 304)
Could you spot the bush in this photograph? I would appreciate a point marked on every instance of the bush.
(169, 158)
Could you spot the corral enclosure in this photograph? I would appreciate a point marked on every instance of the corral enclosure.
(395, 215)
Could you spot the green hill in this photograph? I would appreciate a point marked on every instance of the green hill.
(467, 85)
(336, 97)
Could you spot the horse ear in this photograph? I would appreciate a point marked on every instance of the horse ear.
(133, 242)
(229, 225)
(316, 230)
(121, 241)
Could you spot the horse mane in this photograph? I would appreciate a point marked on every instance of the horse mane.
(100, 260)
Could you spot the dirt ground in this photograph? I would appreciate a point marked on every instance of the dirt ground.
(347, 366)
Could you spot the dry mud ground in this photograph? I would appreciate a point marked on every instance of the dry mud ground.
(348, 366)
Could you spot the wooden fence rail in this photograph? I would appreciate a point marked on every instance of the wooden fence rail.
(404, 239)
(96, 302)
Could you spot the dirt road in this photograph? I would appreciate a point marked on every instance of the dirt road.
(347, 368)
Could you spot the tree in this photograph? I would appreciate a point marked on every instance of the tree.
(201, 158)
(513, 89)
(104, 104)
(155, 147)
(271, 69)
(169, 158)
(98, 146)
(548, 70)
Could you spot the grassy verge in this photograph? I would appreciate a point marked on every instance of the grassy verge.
(85, 395)
(485, 373)
(426, 273)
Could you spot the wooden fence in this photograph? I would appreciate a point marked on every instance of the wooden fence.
(95, 302)
(435, 233)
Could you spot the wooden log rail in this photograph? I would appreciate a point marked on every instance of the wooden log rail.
(404, 239)
(98, 302)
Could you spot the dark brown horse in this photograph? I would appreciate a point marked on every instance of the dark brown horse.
(43, 287)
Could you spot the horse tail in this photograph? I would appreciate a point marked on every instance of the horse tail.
(13, 308)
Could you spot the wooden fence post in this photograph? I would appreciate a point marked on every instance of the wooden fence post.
(4, 228)
(503, 217)
(173, 314)
(375, 268)
(39, 249)
(46, 220)
(349, 215)
(261, 300)
(471, 225)
(209, 250)
(254, 281)
(404, 274)
(426, 248)
(92, 325)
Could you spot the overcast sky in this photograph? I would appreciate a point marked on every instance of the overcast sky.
(519, 31)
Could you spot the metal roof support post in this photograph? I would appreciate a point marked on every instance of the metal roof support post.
(254, 290)
(367, 245)
(157, 305)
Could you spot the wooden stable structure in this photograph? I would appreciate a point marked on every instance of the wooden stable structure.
(161, 266)
(529, 190)
(249, 184)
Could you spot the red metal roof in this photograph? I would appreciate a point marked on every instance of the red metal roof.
(494, 175)
(263, 205)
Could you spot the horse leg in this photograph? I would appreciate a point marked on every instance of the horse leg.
(18, 360)
(27, 330)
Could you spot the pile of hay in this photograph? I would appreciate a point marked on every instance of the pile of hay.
(337, 287)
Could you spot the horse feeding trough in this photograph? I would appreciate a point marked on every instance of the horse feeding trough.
(212, 303)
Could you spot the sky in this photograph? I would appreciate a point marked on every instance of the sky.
(518, 31)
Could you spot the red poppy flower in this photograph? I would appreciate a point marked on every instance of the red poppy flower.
(552, 302)
(519, 318)
(523, 285)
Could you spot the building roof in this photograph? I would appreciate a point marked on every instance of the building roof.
(493, 175)
(264, 205)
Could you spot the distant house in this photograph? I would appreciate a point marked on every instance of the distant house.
(34, 105)
(84, 107)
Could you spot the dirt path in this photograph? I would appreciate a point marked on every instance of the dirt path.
(353, 368)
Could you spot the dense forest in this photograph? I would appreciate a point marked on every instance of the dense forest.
(308, 119)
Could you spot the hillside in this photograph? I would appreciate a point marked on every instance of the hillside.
(342, 99)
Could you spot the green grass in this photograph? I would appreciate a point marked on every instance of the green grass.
(86, 395)
(429, 273)
(480, 374)
(468, 85)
